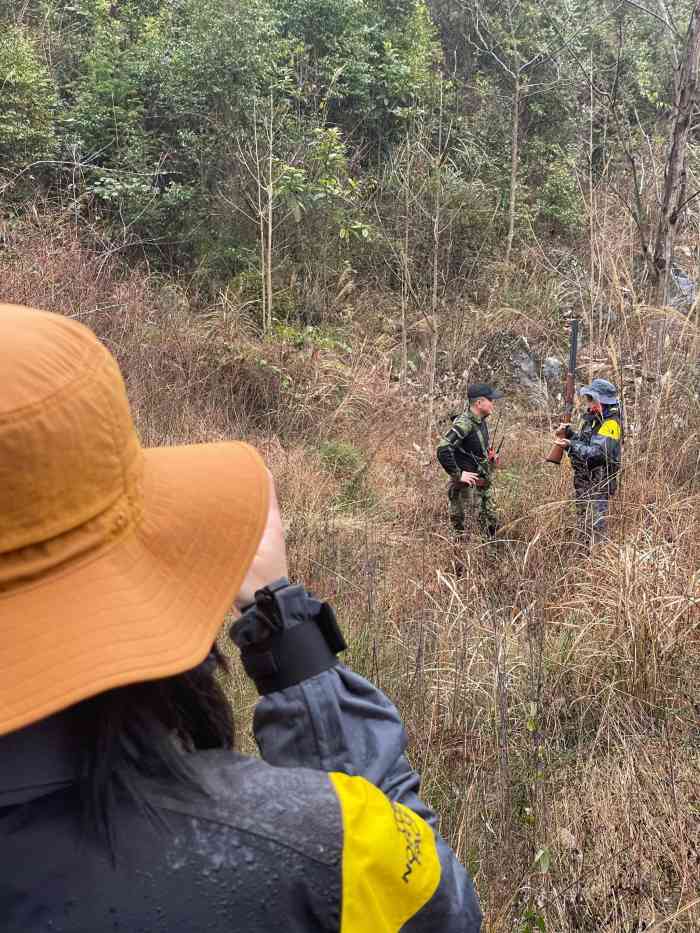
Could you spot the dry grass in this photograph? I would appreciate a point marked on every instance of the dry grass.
(550, 697)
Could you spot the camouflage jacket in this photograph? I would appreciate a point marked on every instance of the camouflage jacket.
(466, 447)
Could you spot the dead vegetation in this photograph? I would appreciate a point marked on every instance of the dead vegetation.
(551, 698)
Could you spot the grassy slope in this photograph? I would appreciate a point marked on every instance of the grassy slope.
(550, 698)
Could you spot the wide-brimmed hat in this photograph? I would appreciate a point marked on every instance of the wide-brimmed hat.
(602, 391)
(483, 390)
(117, 564)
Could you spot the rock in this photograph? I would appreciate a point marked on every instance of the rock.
(508, 362)
(685, 290)
(525, 373)
(552, 373)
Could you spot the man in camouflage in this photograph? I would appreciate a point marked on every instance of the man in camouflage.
(466, 455)
(594, 451)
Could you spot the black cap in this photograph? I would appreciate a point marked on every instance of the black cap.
(482, 390)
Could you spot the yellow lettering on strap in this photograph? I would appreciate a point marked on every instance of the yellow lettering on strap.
(610, 428)
(390, 863)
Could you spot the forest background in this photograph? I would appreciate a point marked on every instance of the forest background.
(310, 223)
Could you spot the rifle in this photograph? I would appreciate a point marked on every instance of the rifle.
(493, 449)
(481, 483)
(557, 451)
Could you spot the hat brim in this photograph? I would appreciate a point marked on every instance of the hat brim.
(492, 396)
(598, 397)
(150, 604)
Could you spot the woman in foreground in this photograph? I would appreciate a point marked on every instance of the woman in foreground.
(123, 806)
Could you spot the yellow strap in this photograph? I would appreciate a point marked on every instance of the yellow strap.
(610, 428)
(390, 863)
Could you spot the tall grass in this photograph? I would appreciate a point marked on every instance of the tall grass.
(551, 696)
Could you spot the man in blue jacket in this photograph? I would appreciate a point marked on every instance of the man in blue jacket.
(595, 454)
(123, 805)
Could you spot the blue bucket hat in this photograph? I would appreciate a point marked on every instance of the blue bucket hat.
(601, 391)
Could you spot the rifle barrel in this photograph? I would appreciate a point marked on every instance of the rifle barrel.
(556, 453)
(573, 348)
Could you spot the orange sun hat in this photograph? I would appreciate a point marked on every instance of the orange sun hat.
(117, 563)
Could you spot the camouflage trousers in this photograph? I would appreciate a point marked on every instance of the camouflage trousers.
(591, 511)
(469, 505)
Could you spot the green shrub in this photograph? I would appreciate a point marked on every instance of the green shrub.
(28, 101)
(560, 203)
(341, 457)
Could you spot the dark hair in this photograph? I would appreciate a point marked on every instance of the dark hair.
(149, 730)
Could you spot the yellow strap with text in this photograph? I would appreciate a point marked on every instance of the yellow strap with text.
(610, 428)
(390, 863)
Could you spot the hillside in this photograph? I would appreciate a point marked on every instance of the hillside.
(310, 224)
(550, 697)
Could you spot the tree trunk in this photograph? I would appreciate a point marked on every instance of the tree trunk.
(514, 165)
(405, 264)
(270, 196)
(404, 296)
(675, 185)
(591, 213)
(434, 303)
(261, 219)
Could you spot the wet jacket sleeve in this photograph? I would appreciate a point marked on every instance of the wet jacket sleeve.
(394, 862)
(446, 448)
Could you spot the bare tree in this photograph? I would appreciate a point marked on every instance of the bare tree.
(518, 44)
(516, 69)
(675, 196)
(255, 158)
(657, 229)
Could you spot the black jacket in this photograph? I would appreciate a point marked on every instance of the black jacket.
(465, 447)
(291, 843)
(595, 450)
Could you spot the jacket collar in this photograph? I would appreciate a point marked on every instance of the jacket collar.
(40, 759)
